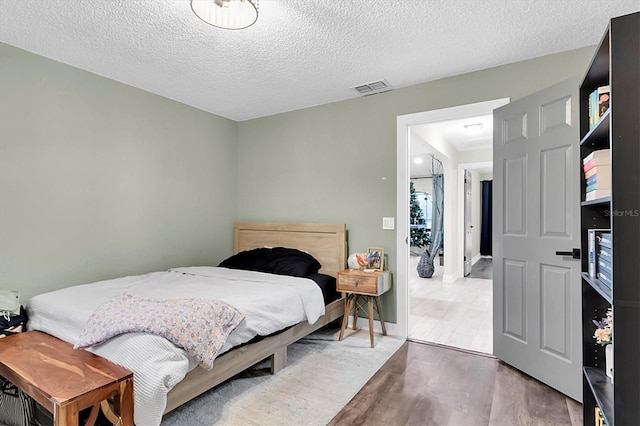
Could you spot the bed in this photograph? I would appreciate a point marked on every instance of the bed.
(165, 376)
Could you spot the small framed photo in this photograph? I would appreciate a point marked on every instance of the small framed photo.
(376, 258)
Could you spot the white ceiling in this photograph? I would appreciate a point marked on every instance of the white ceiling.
(455, 134)
(300, 53)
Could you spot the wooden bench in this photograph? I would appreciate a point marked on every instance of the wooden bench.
(65, 380)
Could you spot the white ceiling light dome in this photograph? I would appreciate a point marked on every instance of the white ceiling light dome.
(227, 14)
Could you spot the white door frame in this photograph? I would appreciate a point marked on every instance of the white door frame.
(404, 123)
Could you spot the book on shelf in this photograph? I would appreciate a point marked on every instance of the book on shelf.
(603, 100)
(605, 267)
(594, 236)
(597, 193)
(604, 253)
(593, 108)
(599, 162)
(605, 273)
(595, 163)
(602, 179)
(598, 104)
(596, 186)
(606, 280)
(606, 240)
(593, 170)
(599, 155)
(604, 259)
(604, 169)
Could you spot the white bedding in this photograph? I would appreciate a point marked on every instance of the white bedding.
(269, 302)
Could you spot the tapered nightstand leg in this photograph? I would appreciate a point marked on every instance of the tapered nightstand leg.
(355, 313)
(384, 329)
(345, 318)
(370, 312)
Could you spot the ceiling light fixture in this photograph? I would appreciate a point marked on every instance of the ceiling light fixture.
(227, 14)
(473, 129)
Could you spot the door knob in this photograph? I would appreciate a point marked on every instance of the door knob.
(575, 253)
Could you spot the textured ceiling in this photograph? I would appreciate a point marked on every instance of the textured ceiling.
(300, 53)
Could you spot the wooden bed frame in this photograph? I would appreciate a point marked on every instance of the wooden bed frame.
(325, 242)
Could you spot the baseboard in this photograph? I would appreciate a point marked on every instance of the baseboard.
(392, 328)
(449, 278)
(475, 259)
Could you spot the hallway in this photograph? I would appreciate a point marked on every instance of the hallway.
(455, 314)
(483, 269)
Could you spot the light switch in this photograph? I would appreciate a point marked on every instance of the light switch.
(388, 223)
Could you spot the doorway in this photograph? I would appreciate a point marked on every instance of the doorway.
(476, 222)
(441, 309)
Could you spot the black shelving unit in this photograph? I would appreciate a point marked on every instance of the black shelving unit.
(616, 63)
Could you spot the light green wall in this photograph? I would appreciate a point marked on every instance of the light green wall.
(98, 179)
(337, 162)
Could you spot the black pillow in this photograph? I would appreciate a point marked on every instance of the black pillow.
(293, 262)
(277, 260)
(249, 260)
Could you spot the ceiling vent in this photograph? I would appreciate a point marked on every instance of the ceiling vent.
(373, 88)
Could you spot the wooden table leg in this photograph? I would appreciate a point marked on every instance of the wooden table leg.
(384, 329)
(126, 402)
(121, 414)
(370, 312)
(65, 415)
(355, 313)
(345, 319)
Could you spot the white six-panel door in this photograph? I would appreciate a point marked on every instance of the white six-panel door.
(536, 293)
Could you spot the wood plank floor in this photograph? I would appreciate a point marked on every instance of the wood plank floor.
(424, 384)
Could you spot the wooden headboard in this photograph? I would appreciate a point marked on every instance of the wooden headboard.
(325, 242)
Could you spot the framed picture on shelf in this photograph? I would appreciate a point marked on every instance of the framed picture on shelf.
(376, 258)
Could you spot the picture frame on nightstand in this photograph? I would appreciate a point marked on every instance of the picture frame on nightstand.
(377, 258)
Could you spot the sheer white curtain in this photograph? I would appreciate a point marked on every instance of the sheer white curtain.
(437, 224)
(425, 265)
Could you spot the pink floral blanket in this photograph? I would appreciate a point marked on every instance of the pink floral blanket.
(199, 326)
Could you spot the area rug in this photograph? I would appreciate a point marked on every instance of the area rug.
(321, 377)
